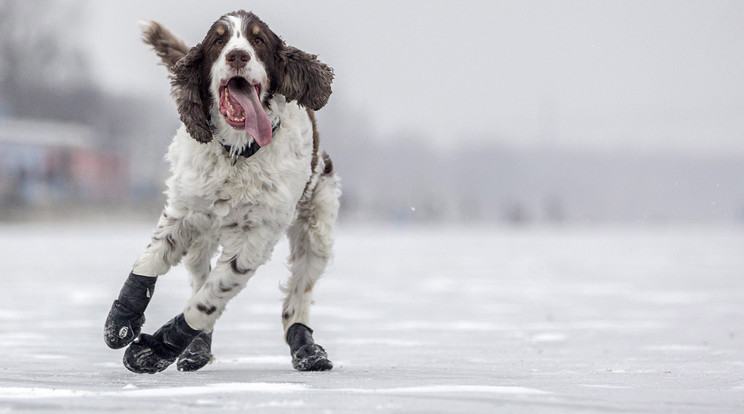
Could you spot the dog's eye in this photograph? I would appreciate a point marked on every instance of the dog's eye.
(219, 41)
(257, 41)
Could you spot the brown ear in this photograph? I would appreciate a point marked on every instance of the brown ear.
(303, 78)
(191, 95)
(166, 45)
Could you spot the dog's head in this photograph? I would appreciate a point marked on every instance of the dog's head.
(231, 76)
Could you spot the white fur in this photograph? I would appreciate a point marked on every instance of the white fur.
(311, 242)
(254, 72)
(244, 205)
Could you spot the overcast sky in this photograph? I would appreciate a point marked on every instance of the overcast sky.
(639, 75)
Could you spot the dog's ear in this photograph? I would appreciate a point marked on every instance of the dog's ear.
(190, 92)
(303, 78)
(166, 45)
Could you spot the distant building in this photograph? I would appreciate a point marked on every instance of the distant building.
(45, 163)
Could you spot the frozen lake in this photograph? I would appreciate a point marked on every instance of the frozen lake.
(462, 320)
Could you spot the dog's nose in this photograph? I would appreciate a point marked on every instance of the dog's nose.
(237, 58)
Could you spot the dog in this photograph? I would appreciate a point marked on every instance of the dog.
(246, 169)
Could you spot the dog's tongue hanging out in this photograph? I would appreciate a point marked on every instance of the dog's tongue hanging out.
(257, 123)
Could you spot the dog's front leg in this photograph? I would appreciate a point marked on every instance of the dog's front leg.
(245, 248)
(199, 353)
(169, 243)
(242, 253)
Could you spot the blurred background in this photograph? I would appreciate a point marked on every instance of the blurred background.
(543, 201)
(529, 112)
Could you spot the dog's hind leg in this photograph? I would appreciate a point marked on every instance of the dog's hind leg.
(311, 244)
(170, 242)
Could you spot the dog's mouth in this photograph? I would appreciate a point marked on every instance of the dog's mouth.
(241, 106)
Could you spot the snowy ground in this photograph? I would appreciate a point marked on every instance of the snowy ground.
(416, 320)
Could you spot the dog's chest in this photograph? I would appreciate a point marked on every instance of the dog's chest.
(261, 187)
(269, 184)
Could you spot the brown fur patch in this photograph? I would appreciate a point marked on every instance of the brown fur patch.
(236, 269)
(225, 288)
(316, 140)
(171, 241)
(304, 78)
(168, 47)
(316, 145)
(328, 164)
(191, 91)
(206, 309)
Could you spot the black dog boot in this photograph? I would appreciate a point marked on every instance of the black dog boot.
(197, 354)
(149, 354)
(127, 314)
(306, 354)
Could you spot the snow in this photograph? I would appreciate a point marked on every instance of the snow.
(416, 319)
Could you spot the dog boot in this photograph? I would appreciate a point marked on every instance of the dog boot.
(197, 354)
(149, 354)
(306, 354)
(127, 314)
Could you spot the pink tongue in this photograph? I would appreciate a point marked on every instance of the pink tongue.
(257, 123)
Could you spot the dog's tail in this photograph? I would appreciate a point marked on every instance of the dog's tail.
(166, 45)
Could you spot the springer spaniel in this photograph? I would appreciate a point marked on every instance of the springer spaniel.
(245, 169)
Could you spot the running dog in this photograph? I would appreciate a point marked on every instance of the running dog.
(246, 169)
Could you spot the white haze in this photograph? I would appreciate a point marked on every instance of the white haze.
(646, 76)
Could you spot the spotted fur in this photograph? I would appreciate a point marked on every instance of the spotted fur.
(216, 198)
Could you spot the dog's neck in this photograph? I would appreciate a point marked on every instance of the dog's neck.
(235, 141)
(248, 150)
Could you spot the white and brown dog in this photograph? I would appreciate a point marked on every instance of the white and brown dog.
(246, 169)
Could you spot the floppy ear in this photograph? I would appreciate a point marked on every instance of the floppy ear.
(303, 78)
(166, 45)
(192, 97)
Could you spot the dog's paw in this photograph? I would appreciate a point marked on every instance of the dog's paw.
(311, 357)
(148, 355)
(197, 354)
(122, 326)
(306, 354)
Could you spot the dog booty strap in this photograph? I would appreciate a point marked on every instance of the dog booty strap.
(137, 291)
(176, 334)
(127, 314)
(299, 335)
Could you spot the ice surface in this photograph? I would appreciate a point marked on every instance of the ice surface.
(427, 320)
